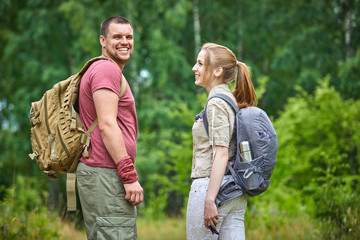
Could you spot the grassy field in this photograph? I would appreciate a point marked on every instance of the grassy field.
(292, 228)
(166, 229)
(68, 232)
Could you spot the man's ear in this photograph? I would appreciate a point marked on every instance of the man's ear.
(102, 40)
(218, 71)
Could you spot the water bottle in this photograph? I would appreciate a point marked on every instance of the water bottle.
(245, 151)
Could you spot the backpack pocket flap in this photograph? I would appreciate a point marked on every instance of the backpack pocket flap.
(255, 165)
(250, 174)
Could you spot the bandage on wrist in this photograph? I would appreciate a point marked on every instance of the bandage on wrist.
(126, 170)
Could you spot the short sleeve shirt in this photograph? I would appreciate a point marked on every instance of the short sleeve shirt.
(106, 74)
(221, 118)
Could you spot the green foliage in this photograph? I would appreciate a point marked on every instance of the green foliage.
(339, 195)
(280, 214)
(349, 76)
(18, 220)
(30, 193)
(319, 156)
(300, 43)
(164, 157)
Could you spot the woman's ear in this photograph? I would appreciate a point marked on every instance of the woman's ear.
(218, 72)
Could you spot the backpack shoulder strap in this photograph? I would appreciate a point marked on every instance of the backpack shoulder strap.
(226, 99)
(87, 65)
(123, 86)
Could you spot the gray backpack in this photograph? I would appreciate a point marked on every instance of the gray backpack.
(249, 177)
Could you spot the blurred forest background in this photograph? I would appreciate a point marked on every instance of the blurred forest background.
(305, 62)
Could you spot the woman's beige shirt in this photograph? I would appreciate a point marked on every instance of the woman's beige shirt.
(221, 129)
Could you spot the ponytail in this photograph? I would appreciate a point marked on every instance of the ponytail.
(244, 89)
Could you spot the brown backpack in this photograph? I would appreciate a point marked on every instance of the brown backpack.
(57, 135)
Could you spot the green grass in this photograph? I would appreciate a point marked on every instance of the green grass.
(294, 228)
(148, 229)
(290, 227)
(165, 229)
(43, 224)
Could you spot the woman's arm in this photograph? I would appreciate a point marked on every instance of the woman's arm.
(216, 177)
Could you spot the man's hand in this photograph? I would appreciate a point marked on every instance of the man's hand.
(134, 193)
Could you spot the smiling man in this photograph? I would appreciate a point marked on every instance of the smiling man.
(107, 181)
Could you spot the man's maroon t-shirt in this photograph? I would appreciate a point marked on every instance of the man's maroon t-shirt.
(106, 74)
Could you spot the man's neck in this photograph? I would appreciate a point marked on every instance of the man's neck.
(120, 64)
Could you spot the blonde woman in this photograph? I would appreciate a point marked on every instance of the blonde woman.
(216, 66)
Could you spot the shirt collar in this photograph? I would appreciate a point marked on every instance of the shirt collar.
(219, 88)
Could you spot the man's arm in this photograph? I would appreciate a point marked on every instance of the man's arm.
(106, 105)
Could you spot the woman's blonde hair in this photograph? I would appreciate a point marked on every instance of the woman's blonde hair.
(221, 56)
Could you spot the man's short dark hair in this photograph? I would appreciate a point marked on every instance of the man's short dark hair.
(116, 19)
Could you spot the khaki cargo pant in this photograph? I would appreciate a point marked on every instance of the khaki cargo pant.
(107, 214)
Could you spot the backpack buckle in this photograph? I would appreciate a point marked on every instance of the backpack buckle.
(73, 124)
(35, 121)
(248, 173)
(33, 155)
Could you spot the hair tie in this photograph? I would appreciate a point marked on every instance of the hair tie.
(237, 63)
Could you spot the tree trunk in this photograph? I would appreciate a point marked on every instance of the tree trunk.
(132, 68)
(53, 193)
(346, 5)
(197, 34)
(239, 30)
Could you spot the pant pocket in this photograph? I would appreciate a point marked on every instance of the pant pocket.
(119, 228)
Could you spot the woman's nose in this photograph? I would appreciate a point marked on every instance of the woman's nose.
(194, 68)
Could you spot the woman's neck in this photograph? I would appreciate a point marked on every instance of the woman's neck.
(213, 83)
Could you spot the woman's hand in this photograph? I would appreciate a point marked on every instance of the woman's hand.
(210, 213)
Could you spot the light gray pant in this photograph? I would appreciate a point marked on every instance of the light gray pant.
(231, 215)
(107, 214)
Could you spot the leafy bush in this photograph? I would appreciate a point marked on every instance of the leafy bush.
(17, 223)
(319, 155)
